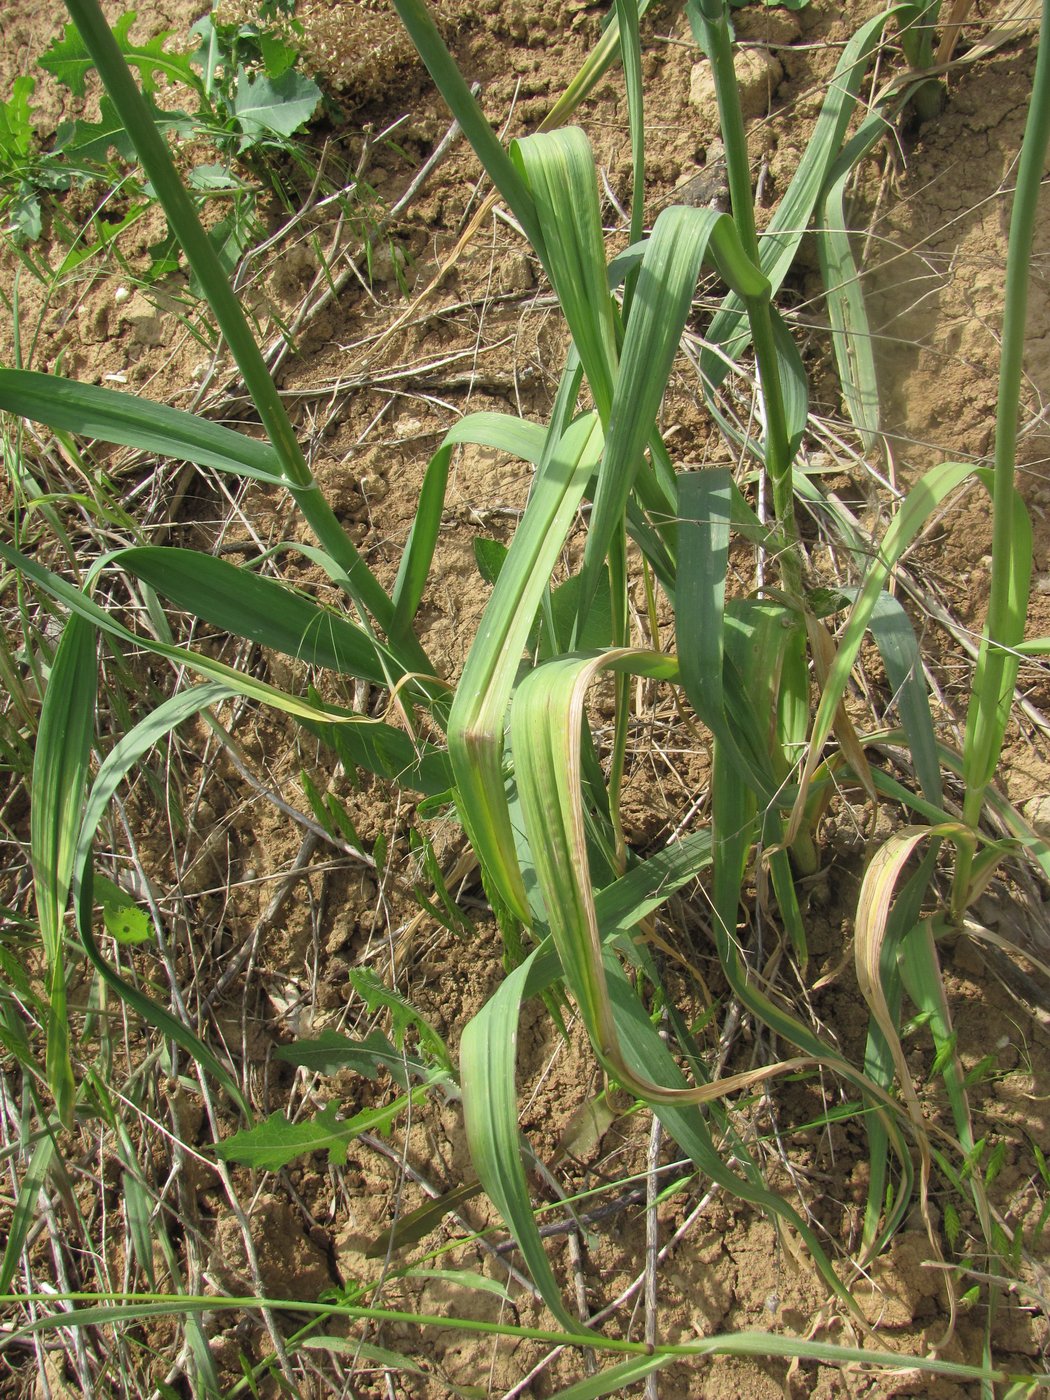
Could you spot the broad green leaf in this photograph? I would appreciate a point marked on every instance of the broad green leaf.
(488, 1059)
(559, 170)
(127, 923)
(490, 1105)
(129, 421)
(60, 778)
(82, 141)
(489, 555)
(667, 278)
(895, 638)
(992, 697)
(267, 107)
(16, 121)
(83, 607)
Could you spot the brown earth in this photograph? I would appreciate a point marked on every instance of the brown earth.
(371, 408)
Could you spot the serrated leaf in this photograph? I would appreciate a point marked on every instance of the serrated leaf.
(211, 178)
(271, 1145)
(123, 919)
(70, 62)
(331, 1052)
(403, 1014)
(23, 218)
(278, 57)
(92, 141)
(16, 120)
(267, 106)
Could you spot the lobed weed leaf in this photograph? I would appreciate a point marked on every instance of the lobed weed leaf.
(70, 62)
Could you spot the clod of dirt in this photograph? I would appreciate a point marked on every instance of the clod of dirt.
(291, 1265)
(758, 73)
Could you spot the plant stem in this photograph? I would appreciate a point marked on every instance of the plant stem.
(360, 583)
(711, 28)
(997, 664)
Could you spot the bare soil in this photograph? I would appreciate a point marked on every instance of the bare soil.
(372, 403)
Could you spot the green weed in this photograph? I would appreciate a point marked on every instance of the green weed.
(509, 748)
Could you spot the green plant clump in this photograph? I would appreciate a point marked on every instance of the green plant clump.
(508, 750)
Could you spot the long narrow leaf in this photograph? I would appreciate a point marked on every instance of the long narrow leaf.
(241, 602)
(779, 242)
(121, 758)
(915, 510)
(60, 770)
(475, 731)
(506, 434)
(129, 421)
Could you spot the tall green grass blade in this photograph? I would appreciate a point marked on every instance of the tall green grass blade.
(667, 278)
(476, 721)
(895, 638)
(109, 1309)
(490, 1108)
(60, 774)
(705, 509)
(423, 32)
(513, 435)
(915, 510)
(651, 1059)
(851, 337)
(709, 21)
(625, 13)
(109, 416)
(82, 607)
(779, 242)
(733, 834)
(558, 169)
(27, 1206)
(118, 762)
